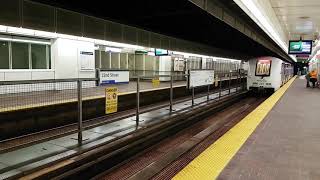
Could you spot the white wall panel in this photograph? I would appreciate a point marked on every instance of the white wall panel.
(42, 75)
(17, 75)
(2, 76)
(66, 60)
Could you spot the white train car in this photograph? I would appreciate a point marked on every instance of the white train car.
(268, 74)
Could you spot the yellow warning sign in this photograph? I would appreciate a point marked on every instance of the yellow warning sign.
(155, 82)
(111, 100)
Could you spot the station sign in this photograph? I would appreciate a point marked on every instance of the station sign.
(201, 78)
(113, 77)
(161, 52)
(111, 100)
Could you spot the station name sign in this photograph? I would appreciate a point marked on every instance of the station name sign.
(113, 77)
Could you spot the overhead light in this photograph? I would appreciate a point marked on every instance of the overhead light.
(86, 39)
(45, 34)
(21, 31)
(66, 36)
(24, 40)
(113, 49)
(151, 53)
(3, 28)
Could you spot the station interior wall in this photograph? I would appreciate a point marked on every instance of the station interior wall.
(65, 62)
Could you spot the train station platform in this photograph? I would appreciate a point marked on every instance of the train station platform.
(280, 139)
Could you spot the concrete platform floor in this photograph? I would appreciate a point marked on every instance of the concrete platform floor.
(286, 145)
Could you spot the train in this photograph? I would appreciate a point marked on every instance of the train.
(268, 74)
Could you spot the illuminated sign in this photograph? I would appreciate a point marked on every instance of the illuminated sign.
(263, 67)
(300, 47)
(161, 52)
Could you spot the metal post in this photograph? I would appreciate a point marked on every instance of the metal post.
(229, 82)
(192, 96)
(208, 95)
(138, 102)
(171, 93)
(240, 83)
(79, 89)
(220, 87)
(237, 82)
(244, 82)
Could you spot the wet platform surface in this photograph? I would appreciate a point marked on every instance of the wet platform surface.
(26, 158)
(286, 145)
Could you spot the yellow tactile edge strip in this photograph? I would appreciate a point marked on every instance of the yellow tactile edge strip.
(210, 163)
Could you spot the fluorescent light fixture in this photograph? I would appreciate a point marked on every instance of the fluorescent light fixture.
(86, 39)
(22, 31)
(151, 53)
(186, 55)
(113, 49)
(45, 34)
(116, 44)
(23, 40)
(3, 28)
(65, 36)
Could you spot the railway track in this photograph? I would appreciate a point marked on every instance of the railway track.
(11, 144)
(161, 161)
(129, 144)
(108, 156)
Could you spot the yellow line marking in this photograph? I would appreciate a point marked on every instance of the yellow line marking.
(210, 163)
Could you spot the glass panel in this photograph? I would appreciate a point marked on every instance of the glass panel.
(157, 63)
(38, 56)
(115, 58)
(105, 60)
(131, 61)
(139, 63)
(149, 63)
(123, 61)
(20, 55)
(4, 55)
(97, 58)
(49, 55)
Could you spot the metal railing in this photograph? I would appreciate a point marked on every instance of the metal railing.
(76, 90)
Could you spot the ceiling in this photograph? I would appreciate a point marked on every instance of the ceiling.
(178, 18)
(299, 17)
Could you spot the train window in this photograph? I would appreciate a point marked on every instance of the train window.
(4, 55)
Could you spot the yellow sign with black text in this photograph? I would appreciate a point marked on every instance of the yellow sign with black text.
(155, 83)
(111, 100)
